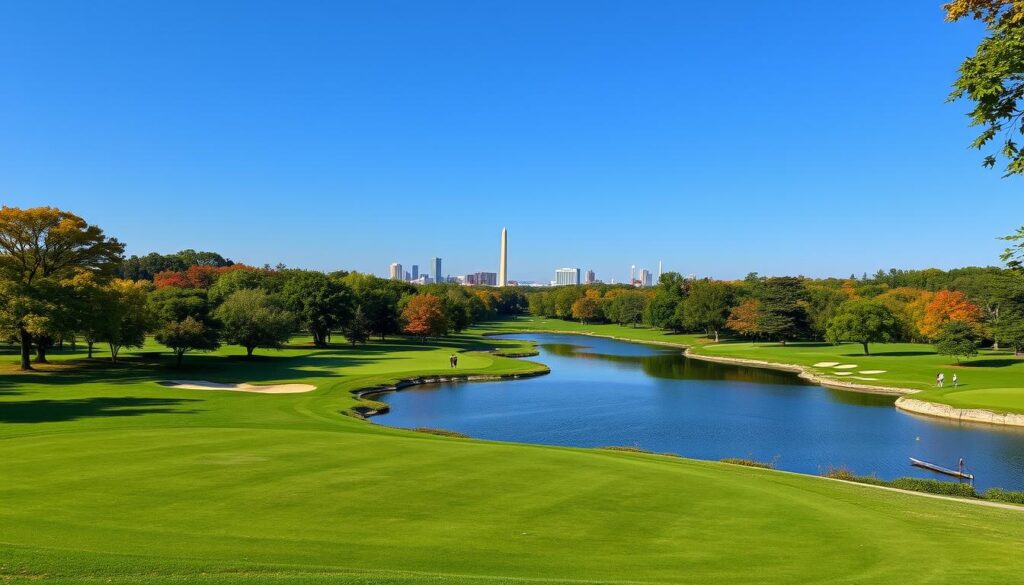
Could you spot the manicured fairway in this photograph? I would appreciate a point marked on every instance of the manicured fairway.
(993, 380)
(108, 477)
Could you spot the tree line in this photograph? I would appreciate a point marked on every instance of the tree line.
(62, 280)
(957, 310)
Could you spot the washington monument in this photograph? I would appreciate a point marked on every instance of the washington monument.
(503, 268)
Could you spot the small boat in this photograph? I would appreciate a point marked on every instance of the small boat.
(940, 469)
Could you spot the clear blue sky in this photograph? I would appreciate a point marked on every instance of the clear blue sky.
(798, 137)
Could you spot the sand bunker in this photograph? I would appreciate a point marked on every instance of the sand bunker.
(826, 364)
(841, 373)
(261, 389)
(865, 379)
(869, 372)
(845, 366)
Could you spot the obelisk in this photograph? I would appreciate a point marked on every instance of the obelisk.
(503, 269)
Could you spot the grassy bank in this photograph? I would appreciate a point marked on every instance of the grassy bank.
(993, 380)
(111, 477)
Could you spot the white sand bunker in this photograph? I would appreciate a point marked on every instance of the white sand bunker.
(845, 366)
(865, 379)
(826, 364)
(261, 389)
(870, 372)
(841, 373)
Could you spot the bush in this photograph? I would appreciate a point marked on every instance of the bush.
(1001, 495)
(847, 475)
(748, 462)
(934, 486)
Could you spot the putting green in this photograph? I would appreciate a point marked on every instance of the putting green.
(110, 477)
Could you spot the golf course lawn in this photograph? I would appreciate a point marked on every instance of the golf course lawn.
(107, 476)
(993, 380)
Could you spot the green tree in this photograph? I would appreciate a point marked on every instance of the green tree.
(706, 307)
(357, 330)
(823, 303)
(661, 309)
(185, 335)
(39, 248)
(126, 316)
(782, 315)
(319, 302)
(957, 339)
(628, 307)
(1011, 331)
(864, 321)
(248, 318)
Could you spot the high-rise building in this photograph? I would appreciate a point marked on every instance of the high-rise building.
(590, 277)
(646, 278)
(415, 271)
(567, 276)
(503, 264)
(659, 270)
(407, 276)
(395, 271)
(632, 274)
(436, 264)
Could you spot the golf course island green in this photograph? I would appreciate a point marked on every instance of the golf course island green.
(109, 476)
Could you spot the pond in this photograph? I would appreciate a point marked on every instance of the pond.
(603, 392)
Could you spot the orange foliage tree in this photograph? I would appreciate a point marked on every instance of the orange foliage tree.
(946, 306)
(198, 276)
(424, 316)
(744, 317)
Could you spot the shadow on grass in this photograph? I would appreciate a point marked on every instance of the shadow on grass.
(899, 353)
(38, 411)
(991, 363)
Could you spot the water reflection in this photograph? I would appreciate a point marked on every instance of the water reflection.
(604, 392)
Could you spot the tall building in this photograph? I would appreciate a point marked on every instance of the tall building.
(590, 277)
(503, 265)
(646, 278)
(632, 274)
(567, 276)
(415, 271)
(436, 263)
(659, 270)
(395, 271)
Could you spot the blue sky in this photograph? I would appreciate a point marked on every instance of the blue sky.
(801, 137)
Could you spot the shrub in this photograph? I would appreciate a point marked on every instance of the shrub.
(1001, 495)
(748, 462)
(933, 486)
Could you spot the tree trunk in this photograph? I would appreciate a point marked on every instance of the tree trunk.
(90, 349)
(249, 350)
(114, 349)
(865, 344)
(26, 349)
(41, 352)
(179, 355)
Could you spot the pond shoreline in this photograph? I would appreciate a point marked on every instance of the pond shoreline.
(923, 407)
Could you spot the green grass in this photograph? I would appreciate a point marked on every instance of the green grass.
(108, 477)
(993, 380)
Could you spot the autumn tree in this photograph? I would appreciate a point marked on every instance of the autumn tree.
(864, 321)
(40, 248)
(744, 318)
(948, 306)
(424, 316)
(248, 318)
(585, 309)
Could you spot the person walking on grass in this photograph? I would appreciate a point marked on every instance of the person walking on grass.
(455, 361)
(941, 379)
(956, 381)
(451, 361)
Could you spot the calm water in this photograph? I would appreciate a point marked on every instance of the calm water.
(602, 392)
